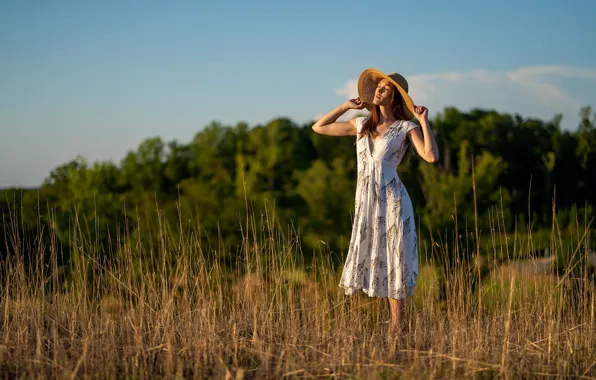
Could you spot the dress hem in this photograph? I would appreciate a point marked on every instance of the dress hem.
(351, 290)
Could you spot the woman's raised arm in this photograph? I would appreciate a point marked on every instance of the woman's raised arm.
(327, 125)
(424, 141)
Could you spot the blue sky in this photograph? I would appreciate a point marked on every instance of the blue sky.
(96, 78)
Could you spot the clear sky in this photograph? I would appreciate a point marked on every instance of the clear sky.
(96, 78)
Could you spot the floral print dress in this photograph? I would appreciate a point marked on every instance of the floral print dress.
(382, 259)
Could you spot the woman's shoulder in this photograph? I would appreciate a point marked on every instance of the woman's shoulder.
(359, 121)
(409, 125)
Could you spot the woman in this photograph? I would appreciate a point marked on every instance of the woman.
(382, 259)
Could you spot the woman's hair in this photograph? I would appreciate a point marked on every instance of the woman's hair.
(370, 125)
(398, 111)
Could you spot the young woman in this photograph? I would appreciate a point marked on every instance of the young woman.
(382, 259)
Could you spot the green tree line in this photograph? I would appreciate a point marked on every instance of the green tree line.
(522, 166)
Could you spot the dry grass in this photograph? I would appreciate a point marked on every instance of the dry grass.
(172, 309)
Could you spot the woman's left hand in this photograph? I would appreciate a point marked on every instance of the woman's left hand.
(421, 113)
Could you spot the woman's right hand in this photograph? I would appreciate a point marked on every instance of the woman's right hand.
(354, 104)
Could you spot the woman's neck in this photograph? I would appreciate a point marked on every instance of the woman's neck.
(386, 114)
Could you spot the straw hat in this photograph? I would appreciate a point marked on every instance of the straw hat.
(367, 85)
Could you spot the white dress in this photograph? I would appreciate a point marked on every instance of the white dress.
(382, 259)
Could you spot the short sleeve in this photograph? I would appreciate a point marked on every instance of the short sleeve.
(360, 123)
(411, 125)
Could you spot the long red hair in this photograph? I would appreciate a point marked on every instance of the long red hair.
(370, 126)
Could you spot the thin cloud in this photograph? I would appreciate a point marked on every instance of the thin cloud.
(349, 90)
(536, 91)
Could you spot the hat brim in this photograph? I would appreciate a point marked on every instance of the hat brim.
(367, 84)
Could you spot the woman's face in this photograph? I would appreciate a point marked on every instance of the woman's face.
(383, 93)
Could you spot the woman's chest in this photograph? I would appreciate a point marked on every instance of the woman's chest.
(385, 145)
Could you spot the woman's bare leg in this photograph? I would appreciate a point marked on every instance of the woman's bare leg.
(398, 314)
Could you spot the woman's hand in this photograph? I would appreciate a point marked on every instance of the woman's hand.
(421, 113)
(354, 104)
